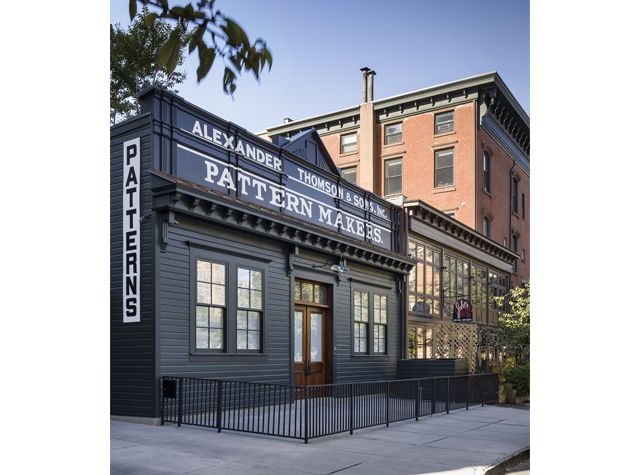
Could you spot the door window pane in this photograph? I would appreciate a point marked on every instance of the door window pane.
(317, 333)
(298, 324)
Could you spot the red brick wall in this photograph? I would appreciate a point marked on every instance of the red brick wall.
(497, 204)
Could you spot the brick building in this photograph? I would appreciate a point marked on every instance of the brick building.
(461, 147)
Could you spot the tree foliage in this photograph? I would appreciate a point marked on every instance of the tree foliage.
(212, 34)
(513, 328)
(134, 62)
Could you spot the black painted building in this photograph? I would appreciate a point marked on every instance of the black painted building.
(236, 258)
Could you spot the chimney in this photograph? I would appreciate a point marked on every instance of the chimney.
(365, 70)
(286, 120)
(370, 85)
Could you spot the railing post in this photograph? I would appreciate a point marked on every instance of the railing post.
(306, 414)
(180, 400)
(418, 392)
(387, 407)
(448, 392)
(351, 405)
(467, 391)
(162, 401)
(483, 390)
(220, 405)
(433, 402)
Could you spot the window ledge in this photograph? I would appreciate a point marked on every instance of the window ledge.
(347, 154)
(374, 357)
(444, 134)
(444, 189)
(394, 144)
(244, 356)
(487, 192)
(516, 214)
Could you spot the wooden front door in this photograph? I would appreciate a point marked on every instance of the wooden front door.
(311, 338)
(311, 345)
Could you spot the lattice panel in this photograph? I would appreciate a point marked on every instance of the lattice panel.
(456, 340)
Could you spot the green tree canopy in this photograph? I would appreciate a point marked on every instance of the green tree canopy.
(213, 35)
(134, 64)
(513, 331)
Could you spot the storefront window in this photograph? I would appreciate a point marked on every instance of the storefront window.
(456, 282)
(479, 283)
(249, 314)
(380, 323)
(497, 286)
(210, 305)
(424, 280)
(361, 319)
(420, 342)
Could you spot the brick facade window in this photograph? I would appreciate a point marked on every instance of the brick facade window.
(348, 143)
(444, 122)
(444, 160)
(349, 174)
(486, 172)
(393, 176)
(486, 226)
(393, 134)
(515, 195)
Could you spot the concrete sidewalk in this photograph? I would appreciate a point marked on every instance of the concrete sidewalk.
(459, 443)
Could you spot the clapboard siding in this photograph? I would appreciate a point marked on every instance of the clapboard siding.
(132, 345)
(275, 364)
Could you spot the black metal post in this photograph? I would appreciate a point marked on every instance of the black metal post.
(418, 393)
(162, 401)
(433, 402)
(351, 408)
(448, 392)
(180, 399)
(467, 391)
(306, 414)
(483, 390)
(220, 406)
(387, 407)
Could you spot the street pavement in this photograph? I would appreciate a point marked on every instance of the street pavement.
(462, 442)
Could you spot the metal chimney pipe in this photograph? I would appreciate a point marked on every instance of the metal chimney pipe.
(370, 85)
(365, 70)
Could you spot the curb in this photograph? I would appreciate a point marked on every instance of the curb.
(508, 462)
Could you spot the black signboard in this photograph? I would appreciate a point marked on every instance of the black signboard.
(462, 311)
(232, 163)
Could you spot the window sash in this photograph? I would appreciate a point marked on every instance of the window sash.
(393, 176)
(349, 174)
(393, 134)
(444, 122)
(349, 143)
(444, 168)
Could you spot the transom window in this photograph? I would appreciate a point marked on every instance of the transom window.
(380, 323)
(249, 313)
(393, 176)
(349, 143)
(444, 122)
(361, 320)
(210, 305)
(393, 133)
(349, 174)
(444, 167)
(309, 292)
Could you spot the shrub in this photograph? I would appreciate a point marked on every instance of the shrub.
(517, 376)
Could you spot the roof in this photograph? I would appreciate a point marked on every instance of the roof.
(489, 78)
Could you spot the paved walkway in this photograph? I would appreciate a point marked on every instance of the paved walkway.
(459, 443)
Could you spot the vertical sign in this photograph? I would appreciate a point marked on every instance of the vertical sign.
(131, 231)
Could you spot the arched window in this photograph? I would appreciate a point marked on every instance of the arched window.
(486, 226)
(486, 171)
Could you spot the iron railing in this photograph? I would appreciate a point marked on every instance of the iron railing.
(308, 412)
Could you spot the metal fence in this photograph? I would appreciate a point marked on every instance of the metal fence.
(308, 412)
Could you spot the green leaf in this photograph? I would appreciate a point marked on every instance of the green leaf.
(205, 63)
(171, 64)
(228, 81)
(149, 20)
(133, 9)
(167, 49)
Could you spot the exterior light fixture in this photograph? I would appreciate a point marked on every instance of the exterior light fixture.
(341, 267)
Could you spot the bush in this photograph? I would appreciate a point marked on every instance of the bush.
(517, 376)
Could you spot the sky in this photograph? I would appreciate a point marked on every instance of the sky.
(319, 47)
